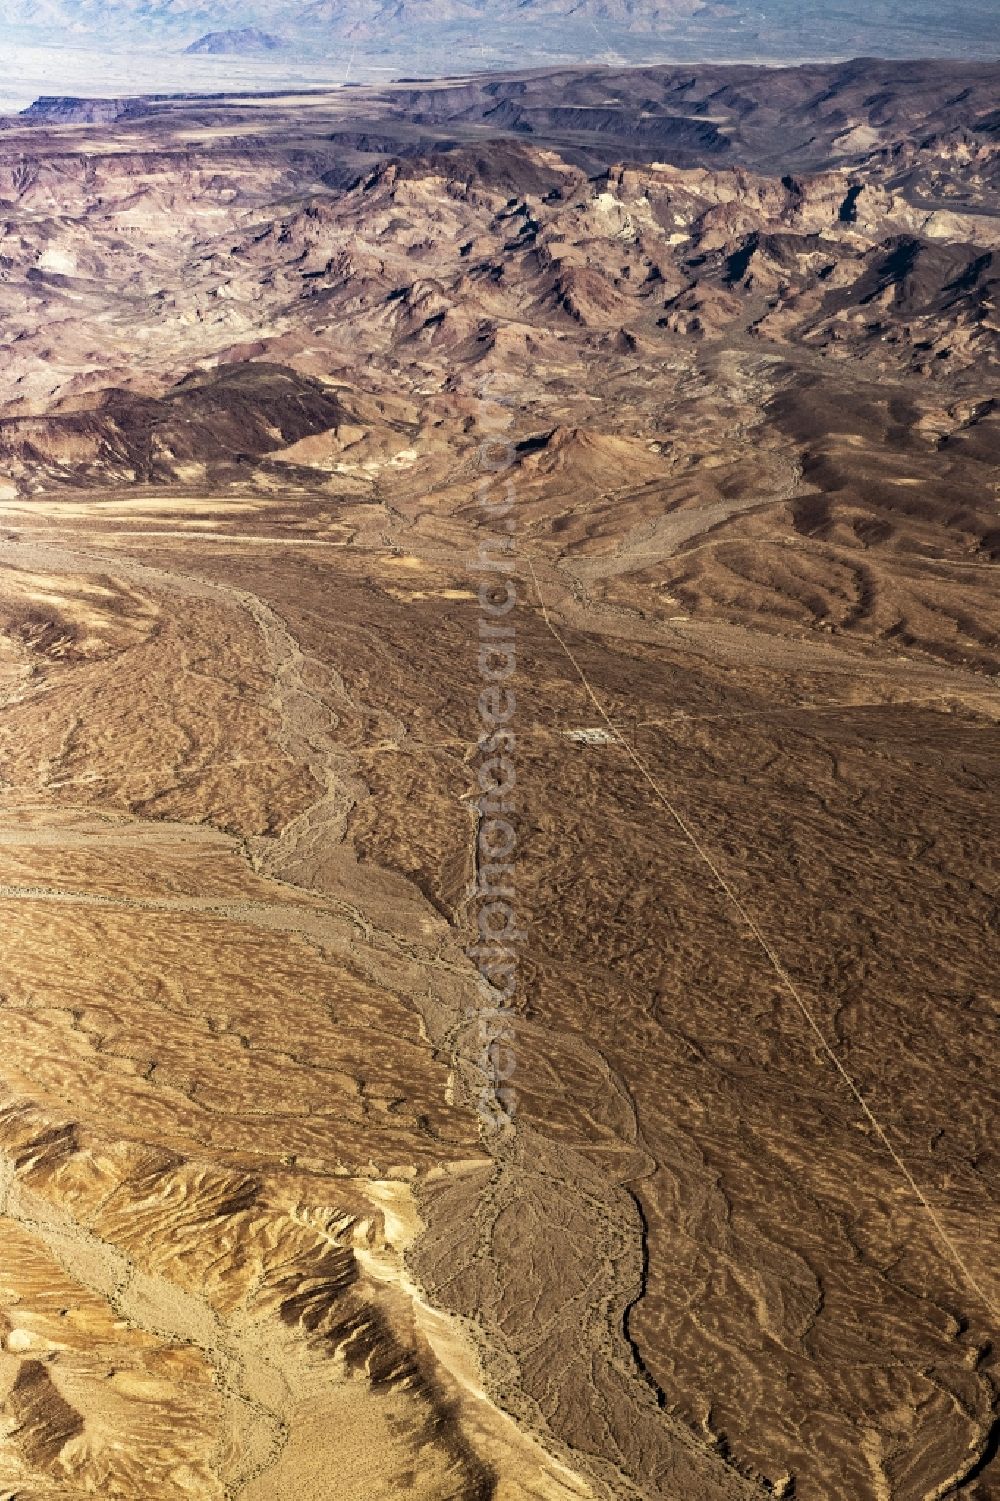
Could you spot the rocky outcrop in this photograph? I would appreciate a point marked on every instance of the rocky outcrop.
(244, 41)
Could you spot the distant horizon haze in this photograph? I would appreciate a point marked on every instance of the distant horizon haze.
(132, 46)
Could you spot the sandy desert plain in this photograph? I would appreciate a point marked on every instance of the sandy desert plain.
(737, 330)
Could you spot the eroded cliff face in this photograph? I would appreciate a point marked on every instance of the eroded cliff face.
(258, 1243)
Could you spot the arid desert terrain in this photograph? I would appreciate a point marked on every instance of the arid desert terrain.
(700, 365)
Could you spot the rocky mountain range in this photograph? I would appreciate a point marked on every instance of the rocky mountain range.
(445, 34)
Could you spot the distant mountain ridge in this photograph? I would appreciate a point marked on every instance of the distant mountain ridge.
(346, 15)
(452, 34)
(244, 41)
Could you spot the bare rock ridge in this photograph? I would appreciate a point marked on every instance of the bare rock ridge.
(740, 328)
(67, 110)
